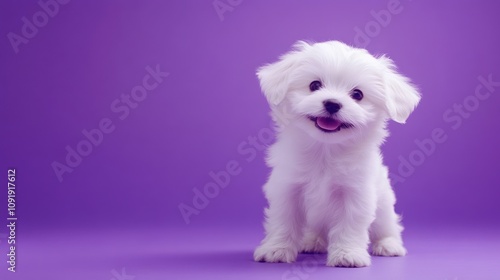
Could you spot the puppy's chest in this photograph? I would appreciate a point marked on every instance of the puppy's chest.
(325, 184)
(321, 184)
(329, 172)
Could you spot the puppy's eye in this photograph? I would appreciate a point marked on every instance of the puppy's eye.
(315, 85)
(356, 94)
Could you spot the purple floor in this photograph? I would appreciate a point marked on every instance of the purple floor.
(226, 253)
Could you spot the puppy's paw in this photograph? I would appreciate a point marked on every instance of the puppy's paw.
(348, 258)
(389, 247)
(266, 253)
(315, 245)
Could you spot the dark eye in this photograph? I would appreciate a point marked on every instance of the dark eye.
(357, 94)
(315, 85)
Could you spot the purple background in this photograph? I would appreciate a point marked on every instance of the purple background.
(121, 202)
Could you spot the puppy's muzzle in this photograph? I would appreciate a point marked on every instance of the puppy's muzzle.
(331, 106)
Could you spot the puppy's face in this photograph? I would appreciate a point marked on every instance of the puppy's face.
(335, 92)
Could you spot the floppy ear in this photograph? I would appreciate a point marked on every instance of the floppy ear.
(274, 78)
(401, 96)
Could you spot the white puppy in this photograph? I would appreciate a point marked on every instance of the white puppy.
(329, 190)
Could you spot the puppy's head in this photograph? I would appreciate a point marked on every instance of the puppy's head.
(335, 92)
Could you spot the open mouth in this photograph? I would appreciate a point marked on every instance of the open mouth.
(329, 124)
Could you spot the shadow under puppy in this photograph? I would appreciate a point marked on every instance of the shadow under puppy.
(329, 190)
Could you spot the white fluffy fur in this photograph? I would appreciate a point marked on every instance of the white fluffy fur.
(330, 192)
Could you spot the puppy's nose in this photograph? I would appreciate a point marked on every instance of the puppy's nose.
(331, 106)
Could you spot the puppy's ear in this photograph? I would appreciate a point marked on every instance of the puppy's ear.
(274, 78)
(401, 95)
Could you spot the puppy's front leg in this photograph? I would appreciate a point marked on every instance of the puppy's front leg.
(348, 237)
(284, 221)
(385, 231)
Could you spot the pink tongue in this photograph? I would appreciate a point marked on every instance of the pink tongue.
(327, 123)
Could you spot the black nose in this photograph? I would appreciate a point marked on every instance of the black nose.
(331, 107)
